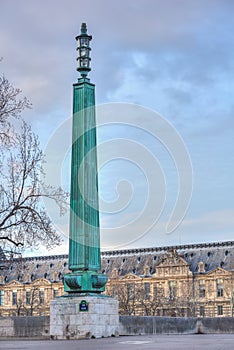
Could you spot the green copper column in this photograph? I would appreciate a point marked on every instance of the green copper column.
(84, 235)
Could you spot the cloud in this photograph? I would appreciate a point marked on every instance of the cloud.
(216, 220)
(175, 57)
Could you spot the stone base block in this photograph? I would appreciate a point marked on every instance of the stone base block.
(79, 317)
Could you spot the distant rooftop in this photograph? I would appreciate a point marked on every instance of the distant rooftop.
(213, 255)
(141, 250)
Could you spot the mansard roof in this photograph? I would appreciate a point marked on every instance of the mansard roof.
(213, 255)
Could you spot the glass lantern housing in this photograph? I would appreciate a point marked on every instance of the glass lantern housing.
(83, 59)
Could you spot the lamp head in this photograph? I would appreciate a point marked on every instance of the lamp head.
(83, 59)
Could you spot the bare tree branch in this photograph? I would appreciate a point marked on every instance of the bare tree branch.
(11, 241)
(24, 221)
(11, 106)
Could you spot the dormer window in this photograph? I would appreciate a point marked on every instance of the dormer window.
(201, 267)
(146, 271)
(55, 276)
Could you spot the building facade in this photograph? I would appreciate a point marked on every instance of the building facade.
(187, 280)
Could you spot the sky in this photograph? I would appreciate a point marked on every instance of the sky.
(163, 71)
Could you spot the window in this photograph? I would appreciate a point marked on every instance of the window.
(172, 290)
(165, 312)
(220, 310)
(1, 297)
(202, 292)
(114, 291)
(219, 285)
(182, 312)
(41, 296)
(202, 289)
(55, 293)
(28, 297)
(202, 311)
(130, 289)
(219, 292)
(14, 298)
(147, 290)
(159, 291)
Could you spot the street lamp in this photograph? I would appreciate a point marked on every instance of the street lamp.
(83, 49)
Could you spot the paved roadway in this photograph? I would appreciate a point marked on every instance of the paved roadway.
(154, 342)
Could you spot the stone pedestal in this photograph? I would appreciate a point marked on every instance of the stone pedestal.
(84, 316)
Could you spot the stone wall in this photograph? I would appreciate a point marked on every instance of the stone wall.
(134, 325)
(25, 327)
(39, 327)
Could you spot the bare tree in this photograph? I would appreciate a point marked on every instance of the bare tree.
(149, 303)
(126, 297)
(180, 303)
(20, 308)
(24, 221)
(11, 106)
(34, 301)
(27, 305)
